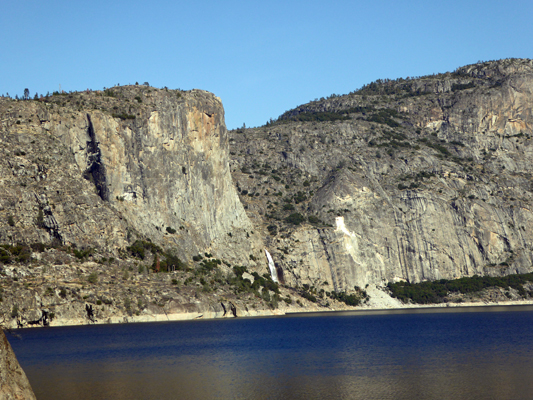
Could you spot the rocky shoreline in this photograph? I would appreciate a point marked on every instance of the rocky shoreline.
(390, 305)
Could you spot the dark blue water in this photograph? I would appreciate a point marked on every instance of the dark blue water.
(436, 355)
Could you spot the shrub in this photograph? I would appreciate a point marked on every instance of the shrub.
(308, 296)
(38, 247)
(171, 230)
(81, 254)
(10, 221)
(299, 197)
(272, 229)
(314, 220)
(138, 248)
(92, 278)
(385, 116)
(459, 86)
(123, 116)
(5, 256)
(348, 299)
(127, 305)
(22, 253)
(173, 262)
(265, 294)
(295, 219)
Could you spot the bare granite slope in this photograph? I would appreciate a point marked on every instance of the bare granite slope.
(414, 179)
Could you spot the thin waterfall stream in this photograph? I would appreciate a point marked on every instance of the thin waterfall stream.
(272, 266)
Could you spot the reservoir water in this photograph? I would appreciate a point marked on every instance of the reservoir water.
(415, 354)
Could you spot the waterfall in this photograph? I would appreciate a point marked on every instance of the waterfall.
(272, 267)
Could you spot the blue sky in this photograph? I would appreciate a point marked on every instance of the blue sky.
(260, 57)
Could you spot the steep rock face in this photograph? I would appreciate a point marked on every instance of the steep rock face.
(14, 384)
(414, 180)
(155, 164)
(43, 197)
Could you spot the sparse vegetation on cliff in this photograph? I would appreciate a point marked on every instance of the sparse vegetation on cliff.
(409, 178)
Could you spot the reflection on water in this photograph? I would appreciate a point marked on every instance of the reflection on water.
(480, 354)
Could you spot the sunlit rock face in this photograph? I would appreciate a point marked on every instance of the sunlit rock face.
(414, 179)
(104, 168)
(14, 384)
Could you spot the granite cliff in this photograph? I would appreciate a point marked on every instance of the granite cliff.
(413, 179)
(408, 180)
(154, 163)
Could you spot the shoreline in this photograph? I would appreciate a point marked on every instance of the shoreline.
(364, 310)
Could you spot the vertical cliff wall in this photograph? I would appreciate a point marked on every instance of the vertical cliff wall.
(155, 164)
(417, 179)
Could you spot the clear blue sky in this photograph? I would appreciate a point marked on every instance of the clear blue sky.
(261, 57)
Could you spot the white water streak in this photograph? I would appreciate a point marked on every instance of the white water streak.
(272, 266)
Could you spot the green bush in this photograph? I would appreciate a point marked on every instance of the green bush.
(349, 299)
(272, 229)
(5, 256)
(81, 254)
(92, 278)
(314, 220)
(123, 116)
(459, 86)
(138, 248)
(308, 296)
(300, 197)
(385, 116)
(295, 219)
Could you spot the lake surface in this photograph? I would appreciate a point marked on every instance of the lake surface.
(415, 354)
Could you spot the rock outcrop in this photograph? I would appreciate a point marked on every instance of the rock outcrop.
(155, 164)
(416, 179)
(14, 384)
(407, 180)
